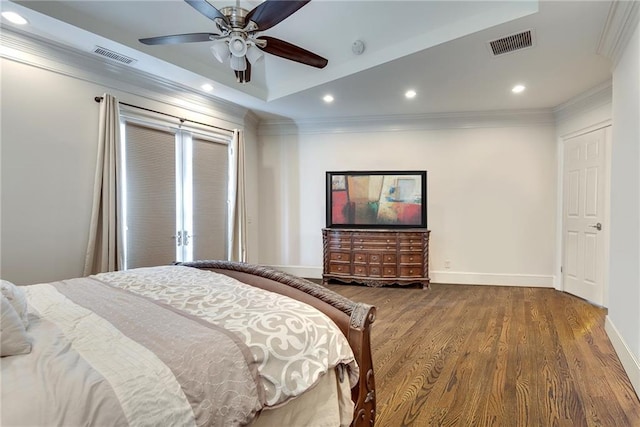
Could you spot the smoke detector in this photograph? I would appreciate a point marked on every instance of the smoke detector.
(358, 47)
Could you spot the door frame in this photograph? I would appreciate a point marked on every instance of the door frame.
(606, 222)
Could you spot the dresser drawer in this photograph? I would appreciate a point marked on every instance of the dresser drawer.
(375, 271)
(339, 239)
(389, 258)
(359, 257)
(336, 268)
(389, 271)
(360, 270)
(411, 258)
(340, 256)
(410, 237)
(410, 271)
(344, 246)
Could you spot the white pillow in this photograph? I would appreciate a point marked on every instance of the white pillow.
(14, 339)
(17, 298)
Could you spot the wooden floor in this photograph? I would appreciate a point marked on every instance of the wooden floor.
(493, 356)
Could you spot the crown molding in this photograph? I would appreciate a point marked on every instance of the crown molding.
(589, 100)
(45, 54)
(394, 123)
(622, 21)
(252, 120)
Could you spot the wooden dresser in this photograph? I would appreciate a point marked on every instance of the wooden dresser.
(376, 257)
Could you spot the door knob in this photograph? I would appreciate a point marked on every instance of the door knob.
(598, 226)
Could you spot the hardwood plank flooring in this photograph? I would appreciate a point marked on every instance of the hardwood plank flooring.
(493, 356)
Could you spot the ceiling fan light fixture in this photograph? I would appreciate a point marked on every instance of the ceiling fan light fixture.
(238, 63)
(254, 54)
(237, 46)
(220, 50)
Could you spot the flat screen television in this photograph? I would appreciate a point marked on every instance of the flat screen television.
(377, 199)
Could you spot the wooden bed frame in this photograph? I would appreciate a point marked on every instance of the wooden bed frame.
(354, 319)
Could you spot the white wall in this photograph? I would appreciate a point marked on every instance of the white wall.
(623, 322)
(491, 196)
(48, 137)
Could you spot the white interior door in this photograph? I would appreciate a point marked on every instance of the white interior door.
(583, 212)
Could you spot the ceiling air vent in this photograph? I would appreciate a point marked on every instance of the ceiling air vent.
(512, 43)
(113, 55)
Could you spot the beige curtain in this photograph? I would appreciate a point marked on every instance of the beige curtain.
(238, 211)
(105, 247)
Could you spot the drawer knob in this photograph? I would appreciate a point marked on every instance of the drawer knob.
(339, 256)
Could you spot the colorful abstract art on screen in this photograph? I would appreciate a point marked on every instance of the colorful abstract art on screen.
(377, 199)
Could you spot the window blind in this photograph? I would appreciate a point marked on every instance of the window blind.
(150, 196)
(210, 176)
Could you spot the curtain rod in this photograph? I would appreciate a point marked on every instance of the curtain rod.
(182, 120)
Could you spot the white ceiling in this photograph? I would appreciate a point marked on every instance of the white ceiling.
(438, 48)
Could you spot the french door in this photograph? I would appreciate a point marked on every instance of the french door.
(175, 194)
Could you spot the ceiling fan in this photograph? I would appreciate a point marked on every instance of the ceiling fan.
(236, 38)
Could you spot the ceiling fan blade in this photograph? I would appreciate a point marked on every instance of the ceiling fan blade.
(244, 76)
(180, 38)
(206, 9)
(286, 50)
(272, 12)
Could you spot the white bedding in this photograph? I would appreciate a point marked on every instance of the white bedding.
(87, 370)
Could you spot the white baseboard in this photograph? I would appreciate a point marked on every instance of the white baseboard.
(300, 270)
(494, 279)
(628, 359)
(446, 277)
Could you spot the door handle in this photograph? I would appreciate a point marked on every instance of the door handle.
(598, 226)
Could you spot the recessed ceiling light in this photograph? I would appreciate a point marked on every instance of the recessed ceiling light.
(518, 89)
(410, 94)
(14, 18)
(207, 87)
(328, 99)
